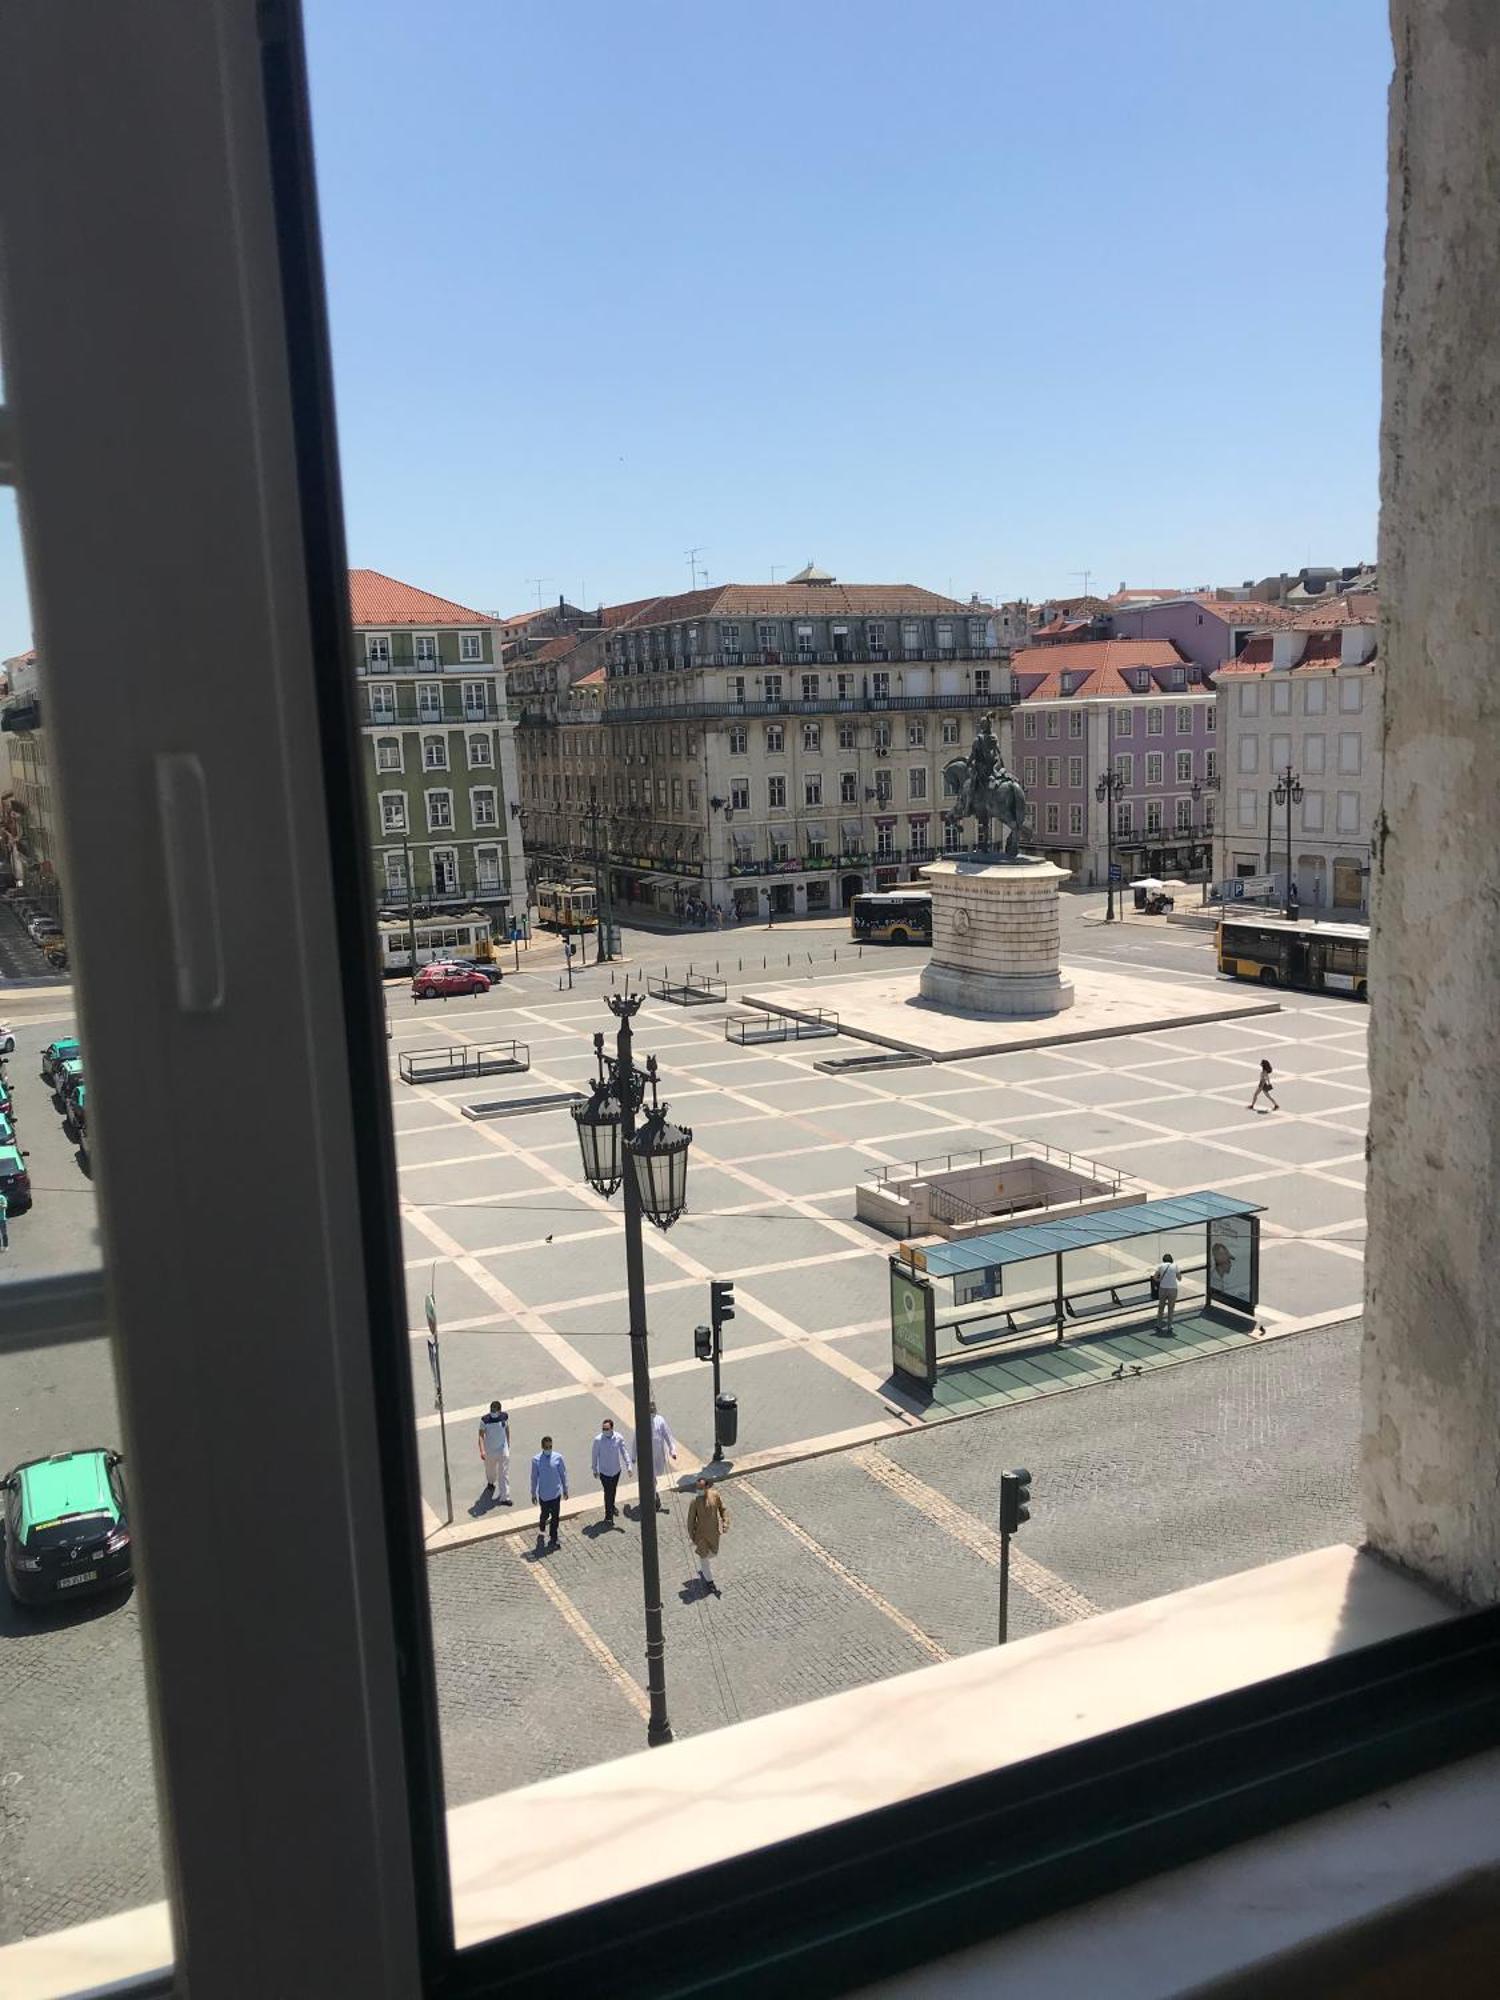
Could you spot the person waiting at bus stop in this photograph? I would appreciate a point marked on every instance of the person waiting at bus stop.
(1166, 1281)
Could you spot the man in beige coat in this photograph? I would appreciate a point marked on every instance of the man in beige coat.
(707, 1522)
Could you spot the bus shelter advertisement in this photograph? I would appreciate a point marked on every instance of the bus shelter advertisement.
(1233, 1247)
(913, 1326)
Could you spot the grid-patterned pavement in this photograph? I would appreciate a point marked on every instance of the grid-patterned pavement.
(529, 1269)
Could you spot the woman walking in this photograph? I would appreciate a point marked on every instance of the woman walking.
(1263, 1088)
(707, 1522)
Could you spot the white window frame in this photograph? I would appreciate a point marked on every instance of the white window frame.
(425, 652)
(484, 796)
(430, 799)
(1155, 767)
(1184, 767)
(739, 740)
(481, 743)
(378, 651)
(434, 753)
(739, 795)
(1075, 722)
(391, 820)
(951, 731)
(383, 701)
(916, 782)
(382, 745)
(487, 864)
(1124, 722)
(1155, 722)
(776, 793)
(429, 702)
(476, 701)
(471, 649)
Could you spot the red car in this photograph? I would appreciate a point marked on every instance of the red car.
(438, 979)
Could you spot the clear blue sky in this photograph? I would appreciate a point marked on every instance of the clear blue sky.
(967, 290)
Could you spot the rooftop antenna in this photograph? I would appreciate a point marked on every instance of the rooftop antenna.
(537, 582)
(1085, 574)
(694, 565)
(774, 568)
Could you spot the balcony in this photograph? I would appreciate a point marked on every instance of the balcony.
(689, 711)
(428, 901)
(22, 715)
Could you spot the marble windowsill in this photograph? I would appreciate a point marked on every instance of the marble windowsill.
(737, 1789)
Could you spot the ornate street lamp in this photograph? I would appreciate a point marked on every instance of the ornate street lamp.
(598, 1126)
(1111, 784)
(658, 1159)
(651, 1166)
(1288, 793)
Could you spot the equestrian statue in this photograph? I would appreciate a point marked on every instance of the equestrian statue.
(986, 791)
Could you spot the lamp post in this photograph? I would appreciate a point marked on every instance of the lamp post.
(651, 1166)
(1288, 793)
(1111, 784)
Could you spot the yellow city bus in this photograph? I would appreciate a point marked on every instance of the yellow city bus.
(567, 906)
(893, 916)
(1293, 951)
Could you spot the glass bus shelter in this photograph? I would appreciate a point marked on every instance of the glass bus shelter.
(1055, 1277)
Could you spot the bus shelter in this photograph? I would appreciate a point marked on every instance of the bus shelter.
(950, 1299)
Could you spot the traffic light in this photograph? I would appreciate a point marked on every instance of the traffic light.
(703, 1342)
(721, 1295)
(1015, 1499)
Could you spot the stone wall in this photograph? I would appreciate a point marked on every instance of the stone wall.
(1432, 1378)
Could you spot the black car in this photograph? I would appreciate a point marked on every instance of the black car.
(486, 966)
(66, 1529)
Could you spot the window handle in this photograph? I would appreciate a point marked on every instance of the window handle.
(192, 886)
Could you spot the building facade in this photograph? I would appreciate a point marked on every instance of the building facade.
(440, 746)
(1305, 698)
(29, 833)
(768, 749)
(1138, 709)
(1206, 630)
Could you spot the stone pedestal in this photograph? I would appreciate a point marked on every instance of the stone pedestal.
(995, 938)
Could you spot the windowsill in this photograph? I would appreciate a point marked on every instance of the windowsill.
(734, 1790)
(739, 1789)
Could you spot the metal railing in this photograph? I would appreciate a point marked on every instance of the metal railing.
(690, 711)
(1010, 1149)
(949, 1207)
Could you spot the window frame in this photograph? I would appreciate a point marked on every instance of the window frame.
(359, 1874)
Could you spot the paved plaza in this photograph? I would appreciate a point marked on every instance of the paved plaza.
(863, 1535)
(528, 1265)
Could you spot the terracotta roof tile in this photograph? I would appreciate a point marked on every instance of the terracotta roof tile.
(383, 600)
(1037, 671)
(788, 600)
(1360, 609)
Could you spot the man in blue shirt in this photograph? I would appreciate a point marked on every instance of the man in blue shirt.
(611, 1457)
(549, 1488)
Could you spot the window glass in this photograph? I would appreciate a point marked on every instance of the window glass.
(72, 1671)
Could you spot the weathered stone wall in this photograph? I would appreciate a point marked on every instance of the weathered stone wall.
(1432, 1364)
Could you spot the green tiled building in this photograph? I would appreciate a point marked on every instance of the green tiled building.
(441, 775)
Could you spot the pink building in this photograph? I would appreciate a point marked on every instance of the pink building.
(1140, 709)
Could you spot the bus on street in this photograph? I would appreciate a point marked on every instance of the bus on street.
(893, 916)
(1295, 951)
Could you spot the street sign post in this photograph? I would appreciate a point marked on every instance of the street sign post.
(435, 1362)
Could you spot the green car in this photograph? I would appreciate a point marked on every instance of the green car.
(66, 1531)
(15, 1181)
(56, 1053)
(76, 1109)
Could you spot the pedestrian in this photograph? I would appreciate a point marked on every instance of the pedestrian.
(707, 1523)
(663, 1447)
(549, 1488)
(1263, 1088)
(4, 1222)
(1167, 1281)
(494, 1450)
(611, 1457)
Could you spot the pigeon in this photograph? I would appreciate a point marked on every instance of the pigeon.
(1135, 1370)
(1119, 1374)
(549, 1239)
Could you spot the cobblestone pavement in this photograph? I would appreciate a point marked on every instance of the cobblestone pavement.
(844, 1569)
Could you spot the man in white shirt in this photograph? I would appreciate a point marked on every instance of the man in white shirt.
(494, 1450)
(611, 1457)
(1166, 1294)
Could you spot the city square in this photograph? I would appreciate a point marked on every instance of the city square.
(863, 1535)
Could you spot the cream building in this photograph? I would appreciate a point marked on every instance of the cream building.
(1304, 698)
(768, 749)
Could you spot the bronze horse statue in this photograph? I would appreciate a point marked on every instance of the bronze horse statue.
(985, 790)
